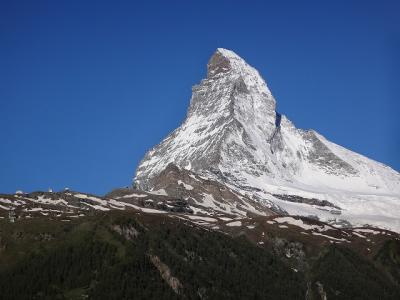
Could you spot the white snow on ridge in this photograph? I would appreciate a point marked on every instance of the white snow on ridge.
(234, 224)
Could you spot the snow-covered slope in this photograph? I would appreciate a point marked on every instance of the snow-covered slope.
(233, 134)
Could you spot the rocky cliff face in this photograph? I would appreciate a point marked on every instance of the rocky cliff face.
(233, 134)
(232, 96)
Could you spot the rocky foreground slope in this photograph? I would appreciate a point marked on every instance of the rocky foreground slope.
(233, 134)
(146, 253)
(188, 238)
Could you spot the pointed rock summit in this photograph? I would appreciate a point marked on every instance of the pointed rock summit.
(234, 135)
(232, 97)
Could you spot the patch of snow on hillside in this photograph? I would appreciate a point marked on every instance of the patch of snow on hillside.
(187, 186)
(6, 201)
(301, 224)
(132, 195)
(43, 200)
(97, 207)
(4, 207)
(146, 210)
(160, 192)
(207, 219)
(330, 237)
(95, 199)
(367, 231)
(234, 224)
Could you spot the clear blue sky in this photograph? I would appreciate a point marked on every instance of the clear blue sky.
(87, 87)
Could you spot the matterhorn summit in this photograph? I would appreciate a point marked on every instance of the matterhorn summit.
(234, 135)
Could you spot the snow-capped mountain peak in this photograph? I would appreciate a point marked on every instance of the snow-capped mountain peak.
(234, 135)
(233, 94)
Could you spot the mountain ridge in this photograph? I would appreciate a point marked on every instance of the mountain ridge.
(233, 134)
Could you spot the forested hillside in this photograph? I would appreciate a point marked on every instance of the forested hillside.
(130, 256)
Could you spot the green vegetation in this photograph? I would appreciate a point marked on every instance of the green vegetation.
(109, 257)
(389, 258)
(219, 267)
(346, 275)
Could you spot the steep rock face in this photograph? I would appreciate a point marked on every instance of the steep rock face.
(234, 134)
(232, 96)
